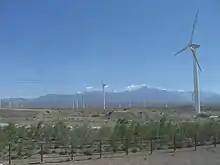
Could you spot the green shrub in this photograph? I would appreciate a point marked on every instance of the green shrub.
(88, 152)
(95, 115)
(137, 134)
(134, 150)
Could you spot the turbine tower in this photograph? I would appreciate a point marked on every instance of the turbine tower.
(83, 102)
(73, 104)
(129, 101)
(77, 100)
(193, 47)
(193, 104)
(103, 91)
(9, 105)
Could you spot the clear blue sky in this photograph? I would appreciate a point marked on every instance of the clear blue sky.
(68, 44)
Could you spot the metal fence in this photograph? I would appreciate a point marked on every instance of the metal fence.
(55, 151)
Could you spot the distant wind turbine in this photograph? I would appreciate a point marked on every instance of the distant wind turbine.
(193, 47)
(103, 91)
(130, 87)
(83, 102)
(73, 104)
(86, 101)
(9, 105)
(77, 100)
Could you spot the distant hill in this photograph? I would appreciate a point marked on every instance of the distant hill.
(140, 97)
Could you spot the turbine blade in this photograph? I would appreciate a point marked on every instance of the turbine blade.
(194, 26)
(197, 62)
(182, 50)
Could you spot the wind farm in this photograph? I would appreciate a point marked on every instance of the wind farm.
(98, 110)
(98, 83)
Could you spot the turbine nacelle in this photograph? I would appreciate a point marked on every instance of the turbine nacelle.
(194, 46)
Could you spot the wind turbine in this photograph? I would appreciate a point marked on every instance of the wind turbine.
(73, 104)
(83, 101)
(193, 47)
(103, 91)
(86, 101)
(9, 105)
(130, 98)
(77, 100)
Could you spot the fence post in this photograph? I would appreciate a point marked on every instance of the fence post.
(41, 153)
(100, 149)
(158, 138)
(151, 146)
(71, 151)
(214, 141)
(174, 142)
(9, 153)
(195, 142)
(126, 149)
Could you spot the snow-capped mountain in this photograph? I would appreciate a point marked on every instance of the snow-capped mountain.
(134, 94)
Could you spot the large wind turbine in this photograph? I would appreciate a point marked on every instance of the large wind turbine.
(193, 47)
(103, 90)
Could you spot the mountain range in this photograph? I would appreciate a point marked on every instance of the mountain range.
(139, 97)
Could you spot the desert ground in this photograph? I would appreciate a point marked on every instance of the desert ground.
(91, 117)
